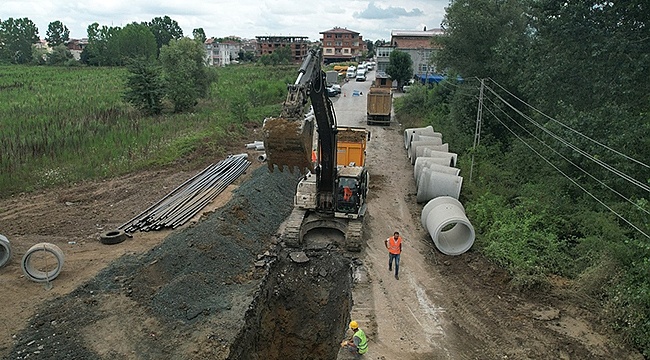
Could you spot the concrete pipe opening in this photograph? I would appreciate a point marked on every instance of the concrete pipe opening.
(427, 162)
(415, 144)
(453, 157)
(43, 262)
(432, 184)
(261, 158)
(408, 134)
(419, 150)
(5, 250)
(444, 219)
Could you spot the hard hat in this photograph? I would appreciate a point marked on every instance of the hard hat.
(354, 325)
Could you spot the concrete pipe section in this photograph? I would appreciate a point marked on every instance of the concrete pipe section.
(444, 218)
(426, 162)
(38, 261)
(418, 137)
(414, 145)
(419, 150)
(5, 250)
(408, 134)
(451, 157)
(432, 184)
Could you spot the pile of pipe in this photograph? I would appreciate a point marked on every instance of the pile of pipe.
(184, 202)
(434, 166)
(438, 184)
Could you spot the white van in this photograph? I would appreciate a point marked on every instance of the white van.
(361, 75)
(352, 72)
(362, 67)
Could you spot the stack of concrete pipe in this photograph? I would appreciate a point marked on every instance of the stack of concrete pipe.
(438, 184)
(432, 181)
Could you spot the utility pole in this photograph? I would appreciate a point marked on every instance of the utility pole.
(477, 132)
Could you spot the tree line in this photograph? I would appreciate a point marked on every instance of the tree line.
(559, 182)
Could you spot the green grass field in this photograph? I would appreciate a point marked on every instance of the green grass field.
(61, 125)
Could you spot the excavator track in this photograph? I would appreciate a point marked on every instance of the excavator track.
(291, 236)
(299, 223)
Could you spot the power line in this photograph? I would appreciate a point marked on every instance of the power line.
(569, 178)
(566, 143)
(569, 161)
(569, 128)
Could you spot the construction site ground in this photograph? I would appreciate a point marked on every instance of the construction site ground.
(196, 292)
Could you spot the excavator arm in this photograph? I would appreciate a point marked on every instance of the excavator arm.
(289, 139)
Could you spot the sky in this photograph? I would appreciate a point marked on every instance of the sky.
(374, 20)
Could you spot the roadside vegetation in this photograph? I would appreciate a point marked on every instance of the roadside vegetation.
(558, 186)
(64, 125)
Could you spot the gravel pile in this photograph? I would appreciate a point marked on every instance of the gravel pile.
(184, 299)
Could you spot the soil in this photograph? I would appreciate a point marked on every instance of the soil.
(224, 287)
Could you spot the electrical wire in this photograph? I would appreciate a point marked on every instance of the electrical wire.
(568, 177)
(569, 128)
(568, 144)
(569, 161)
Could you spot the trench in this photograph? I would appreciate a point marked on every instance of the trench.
(301, 310)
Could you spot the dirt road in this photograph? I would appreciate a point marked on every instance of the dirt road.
(451, 307)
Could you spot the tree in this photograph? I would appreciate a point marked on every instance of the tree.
(371, 48)
(199, 35)
(145, 86)
(187, 78)
(16, 39)
(281, 55)
(472, 50)
(134, 41)
(165, 30)
(400, 67)
(57, 34)
(60, 55)
(100, 51)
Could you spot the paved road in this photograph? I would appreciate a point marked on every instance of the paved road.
(351, 110)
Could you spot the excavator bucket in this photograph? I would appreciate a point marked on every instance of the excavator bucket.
(288, 142)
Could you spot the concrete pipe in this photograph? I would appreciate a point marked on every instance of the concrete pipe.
(254, 144)
(38, 275)
(261, 157)
(419, 137)
(415, 144)
(5, 250)
(452, 157)
(408, 134)
(445, 220)
(419, 150)
(427, 163)
(432, 184)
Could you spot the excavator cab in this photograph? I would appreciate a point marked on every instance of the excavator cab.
(351, 190)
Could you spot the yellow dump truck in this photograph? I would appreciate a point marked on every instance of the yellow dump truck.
(380, 100)
(351, 146)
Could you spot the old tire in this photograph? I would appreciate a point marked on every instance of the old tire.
(39, 275)
(5, 250)
(112, 237)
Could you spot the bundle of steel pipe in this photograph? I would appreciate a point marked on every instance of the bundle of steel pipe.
(189, 198)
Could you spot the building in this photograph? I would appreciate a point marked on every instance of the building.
(221, 53)
(76, 47)
(340, 44)
(299, 45)
(419, 44)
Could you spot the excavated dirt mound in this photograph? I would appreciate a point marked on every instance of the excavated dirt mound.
(188, 298)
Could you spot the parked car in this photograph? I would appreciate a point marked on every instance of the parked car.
(331, 92)
(336, 87)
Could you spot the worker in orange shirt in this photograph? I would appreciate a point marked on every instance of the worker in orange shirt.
(394, 246)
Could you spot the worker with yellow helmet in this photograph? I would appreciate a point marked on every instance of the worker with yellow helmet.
(359, 343)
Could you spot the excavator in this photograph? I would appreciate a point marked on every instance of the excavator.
(333, 190)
